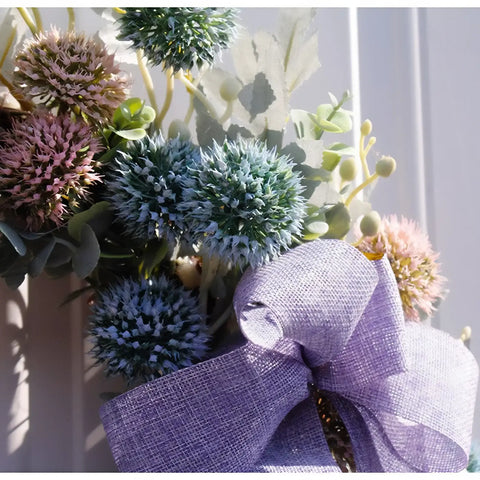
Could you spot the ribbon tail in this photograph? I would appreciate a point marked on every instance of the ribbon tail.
(298, 445)
(217, 416)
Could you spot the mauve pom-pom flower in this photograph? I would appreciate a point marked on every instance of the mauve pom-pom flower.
(142, 329)
(46, 165)
(413, 262)
(72, 72)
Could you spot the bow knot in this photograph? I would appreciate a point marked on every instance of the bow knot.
(324, 313)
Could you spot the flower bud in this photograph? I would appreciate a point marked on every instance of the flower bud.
(348, 169)
(178, 128)
(188, 270)
(230, 88)
(370, 224)
(366, 128)
(385, 166)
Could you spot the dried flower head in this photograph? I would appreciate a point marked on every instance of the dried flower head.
(243, 202)
(413, 262)
(144, 186)
(142, 329)
(181, 38)
(72, 72)
(46, 164)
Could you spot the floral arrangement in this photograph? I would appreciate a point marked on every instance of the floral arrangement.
(161, 221)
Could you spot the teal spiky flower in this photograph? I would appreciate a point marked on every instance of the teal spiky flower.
(142, 329)
(181, 38)
(243, 202)
(144, 186)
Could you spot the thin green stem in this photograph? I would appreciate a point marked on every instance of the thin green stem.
(38, 18)
(28, 20)
(360, 187)
(208, 105)
(364, 152)
(188, 115)
(168, 98)
(210, 266)
(9, 43)
(71, 19)
(227, 114)
(147, 80)
(220, 320)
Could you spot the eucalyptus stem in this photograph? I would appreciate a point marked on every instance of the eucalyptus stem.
(198, 94)
(360, 187)
(147, 80)
(28, 20)
(7, 46)
(38, 18)
(71, 19)
(168, 98)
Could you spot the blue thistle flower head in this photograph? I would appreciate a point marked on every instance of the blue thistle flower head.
(142, 329)
(243, 202)
(179, 37)
(144, 186)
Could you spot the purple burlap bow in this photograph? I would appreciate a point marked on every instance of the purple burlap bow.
(321, 313)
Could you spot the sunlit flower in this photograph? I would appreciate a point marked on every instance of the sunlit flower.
(243, 202)
(72, 72)
(143, 329)
(144, 186)
(181, 38)
(46, 165)
(413, 262)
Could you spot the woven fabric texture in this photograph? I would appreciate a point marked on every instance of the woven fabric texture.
(323, 314)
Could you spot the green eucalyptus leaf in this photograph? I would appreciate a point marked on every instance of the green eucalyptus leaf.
(85, 257)
(153, 255)
(38, 263)
(77, 221)
(330, 160)
(14, 238)
(60, 255)
(339, 220)
(147, 115)
(132, 134)
(331, 120)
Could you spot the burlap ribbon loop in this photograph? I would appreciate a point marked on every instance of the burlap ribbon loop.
(324, 313)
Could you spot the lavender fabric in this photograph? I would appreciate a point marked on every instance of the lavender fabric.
(320, 313)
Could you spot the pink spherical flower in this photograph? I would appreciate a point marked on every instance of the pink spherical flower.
(413, 262)
(72, 72)
(46, 164)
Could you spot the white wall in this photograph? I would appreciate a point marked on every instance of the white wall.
(417, 72)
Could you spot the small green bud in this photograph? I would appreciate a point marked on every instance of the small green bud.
(385, 166)
(370, 224)
(178, 128)
(366, 128)
(230, 88)
(348, 169)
